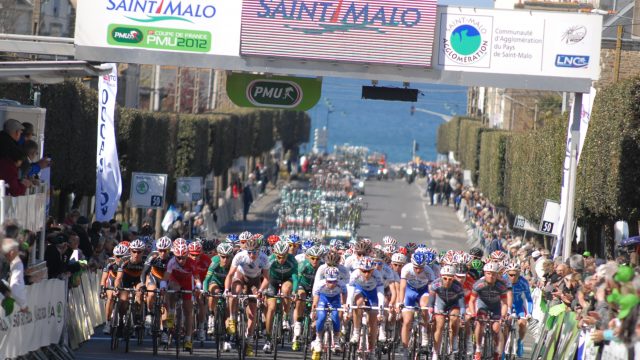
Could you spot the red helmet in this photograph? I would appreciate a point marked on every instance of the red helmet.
(124, 243)
(180, 247)
(273, 239)
(403, 251)
(195, 248)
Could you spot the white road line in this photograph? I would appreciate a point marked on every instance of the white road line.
(375, 225)
(395, 227)
(417, 229)
(426, 216)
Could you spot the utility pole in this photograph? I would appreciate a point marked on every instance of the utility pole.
(616, 63)
(573, 168)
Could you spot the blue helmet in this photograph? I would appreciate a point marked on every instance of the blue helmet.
(430, 257)
(232, 238)
(307, 244)
(419, 259)
(293, 238)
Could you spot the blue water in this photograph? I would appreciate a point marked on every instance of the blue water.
(385, 126)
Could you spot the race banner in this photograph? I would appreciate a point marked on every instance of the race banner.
(108, 178)
(41, 325)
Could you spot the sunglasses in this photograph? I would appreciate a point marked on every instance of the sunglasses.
(313, 258)
(136, 251)
(513, 275)
(396, 264)
(280, 257)
(181, 258)
(447, 278)
(332, 281)
(252, 252)
(243, 241)
(366, 271)
(194, 255)
(163, 250)
(223, 256)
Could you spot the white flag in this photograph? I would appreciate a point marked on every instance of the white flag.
(585, 117)
(108, 179)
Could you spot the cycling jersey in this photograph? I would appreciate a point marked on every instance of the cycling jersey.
(202, 266)
(328, 297)
(388, 275)
(131, 272)
(372, 289)
(248, 267)
(445, 299)
(301, 257)
(521, 294)
(280, 273)
(343, 276)
(490, 296)
(414, 280)
(111, 268)
(306, 276)
(155, 266)
(351, 263)
(321, 289)
(216, 273)
(182, 274)
(467, 285)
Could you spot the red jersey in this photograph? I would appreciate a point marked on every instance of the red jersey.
(183, 275)
(202, 266)
(468, 287)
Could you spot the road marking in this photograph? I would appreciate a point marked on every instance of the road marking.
(375, 225)
(403, 215)
(396, 227)
(417, 229)
(426, 216)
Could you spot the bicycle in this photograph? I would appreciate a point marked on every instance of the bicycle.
(487, 338)
(445, 352)
(219, 326)
(361, 349)
(157, 318)
(114, 323)
(512, 336)
(129, 318)
(177, 332)
(388, 346)
(415, 341)
(328, 336)
(276, 325)
(240, 315)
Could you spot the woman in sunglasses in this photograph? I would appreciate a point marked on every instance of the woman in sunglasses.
(214, 283)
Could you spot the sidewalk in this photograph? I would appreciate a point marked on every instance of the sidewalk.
(261, 217)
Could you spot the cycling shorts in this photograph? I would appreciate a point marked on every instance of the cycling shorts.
(443, 307)
(247, 281)
(323, 302)
(520, 310)
(370, 296)
(274, 286)
(495, 312)
(412, 296)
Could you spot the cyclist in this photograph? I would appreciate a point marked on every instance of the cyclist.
(398, 260)
(446, 296)
(109, 274)
(202, 266)
(129, 275)
(152, 274)
(244, 276)
(391, 281)
(489, 295)
(521, 294)
(294, 244)
(243, 238)
(415, 278)
(361, 249)
(306, 276)
(214, 283)
(306, 245)
(365, 288)
(329, 291)
(283, 278)
(476, 253)
(180, 275)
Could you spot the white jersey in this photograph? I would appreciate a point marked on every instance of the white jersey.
(388, 275)
(320, 287)
(417, 281)
(351, 263)
(374, 283)
(343, 277)
(300, 258)
(248, 267)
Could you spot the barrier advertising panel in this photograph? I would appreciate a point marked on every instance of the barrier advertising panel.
(540, 43)
(189, 26)
(399, 32)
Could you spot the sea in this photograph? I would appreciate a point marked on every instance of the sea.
(385, 126)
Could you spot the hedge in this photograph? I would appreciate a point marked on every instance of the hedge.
(491, 180)
(176, 144)
(469, 145)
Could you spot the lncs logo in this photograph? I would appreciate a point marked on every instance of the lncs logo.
(572, 61)
(466, 43)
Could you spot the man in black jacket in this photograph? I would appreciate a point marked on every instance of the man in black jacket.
(80, 227)
(57, 257)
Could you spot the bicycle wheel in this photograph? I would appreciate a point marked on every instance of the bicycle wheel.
(326, 346)
(414, 341)
(487, 347)
(240, 337)
(305, 336)
(275, 332)
(128, 323)
(114, 326)
(155, 329)
(444, 341)
(257, 329)
(176, 328)
(219, 327)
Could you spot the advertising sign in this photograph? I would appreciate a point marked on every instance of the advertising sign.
(148, 190)
(282, 92)
(399, 32)
(189, 26)
(189, 189)
(520, 42)
(550, 217)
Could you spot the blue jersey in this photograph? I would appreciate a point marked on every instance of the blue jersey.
(521, 295)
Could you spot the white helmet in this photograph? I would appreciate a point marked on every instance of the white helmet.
(388, 240)
(512, 267)
(121, 250)
(448, 270)
(163, 243)
(245, 235)
(399, 258)
(491, 267)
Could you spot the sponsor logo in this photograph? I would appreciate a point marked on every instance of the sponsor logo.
(572, 61)
(142, 187)
(126, 35)
(162, 10)
(338, 16)
(574, 34)
(274, 93)
(185, 188)
(465, 41)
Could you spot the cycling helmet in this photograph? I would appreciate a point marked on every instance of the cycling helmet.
(137, 245)
(281, 248)
(411, 247)
(491, 267)
(163, 243)
(324, 250)
(225, 249)
(512, 267)
(347, 254)
(195, 248)
(429, 257)
(399, 258)
(209, 245)
(340, 245)
(390, 249)
(419, 260)
(377, 246)
(273, 239)
(251, 244)
(332, 274)
(461, 270)
(124, 243)
(180, 248)
(365, 264)
(388, 240)
(476, 265)
(120, 250)
(362, 247)
(403, 251)
(332, 258)
(314, 251)
(307, 244)
(498, 255)
(476, 252)
(233, 238)
(258, 238)
(293, 239)
(245, 235)
(448, 270)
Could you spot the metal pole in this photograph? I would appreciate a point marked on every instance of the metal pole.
(616, 62)
(573, 165)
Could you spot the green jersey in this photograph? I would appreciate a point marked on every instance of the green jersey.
(306, 273)
(280, 273)
(216, 273)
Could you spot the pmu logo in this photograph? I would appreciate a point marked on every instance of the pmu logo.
(274, 93)
(126, 35)
(162, 10)
(465, 42)
(572, 61)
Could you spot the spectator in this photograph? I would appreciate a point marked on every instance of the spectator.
(81, 229)
(33, 166)
(10, 249)
(27, 133)
(247, 198)
(57, 257)
(95, 234)
(148, 220)
(9, 136)
(72, 217)
(9, 166)
(74, 252)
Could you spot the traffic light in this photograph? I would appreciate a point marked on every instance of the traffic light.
(413, 109)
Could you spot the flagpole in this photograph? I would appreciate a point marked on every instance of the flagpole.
(573, 168)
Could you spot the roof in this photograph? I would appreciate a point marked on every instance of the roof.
(47, 72)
